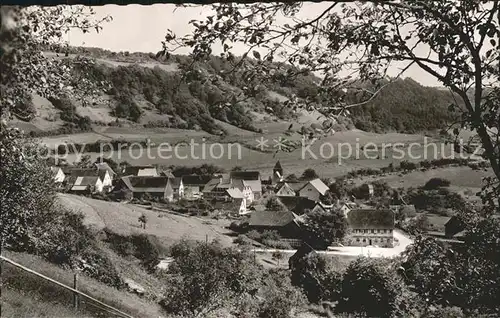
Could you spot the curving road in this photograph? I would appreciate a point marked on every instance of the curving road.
(403, 242)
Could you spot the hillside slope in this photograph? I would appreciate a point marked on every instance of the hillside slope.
(149, 92)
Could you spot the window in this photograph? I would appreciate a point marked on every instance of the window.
(373, 231)
(364, 240)
(357, 239)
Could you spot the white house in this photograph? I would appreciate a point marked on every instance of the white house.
(285, 190)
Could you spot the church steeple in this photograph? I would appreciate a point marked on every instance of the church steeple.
(278, 168)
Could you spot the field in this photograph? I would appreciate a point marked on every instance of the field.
(123, 219)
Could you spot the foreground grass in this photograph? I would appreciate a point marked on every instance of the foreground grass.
(26, 295)
(17, 304)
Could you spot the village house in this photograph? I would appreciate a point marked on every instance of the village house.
(285, 223)
(72, 174)
(236, 206)
(194, 184)
(371, 227)
(162, 188)
(140, 171)
(86, 184)
(321, 207)
(58, 174)
(348, 207)
(251, 179)
(313, 189)
(216, 189)
(297, 205)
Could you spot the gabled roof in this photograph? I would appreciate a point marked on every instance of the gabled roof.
(146, 183)
(140, 171)
(371, 219)
(167, 173)
(81, 183)
(255, 185)
(298, 205)
(271, 218)
(296, 186)
(211, 185)
(235, 193)
(245, 175)
(105, 166)
(196, 179)
(233, 205)
(318, 185)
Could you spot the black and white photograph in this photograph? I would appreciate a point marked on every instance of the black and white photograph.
(203, 159)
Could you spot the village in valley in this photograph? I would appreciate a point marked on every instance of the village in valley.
(269, 214)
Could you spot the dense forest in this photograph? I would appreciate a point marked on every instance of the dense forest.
(195, 94)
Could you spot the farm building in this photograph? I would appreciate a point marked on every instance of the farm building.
(285, 190)
(371, 227)
(322, 207)
(286, 223)
(313, 189)
(86, 184)
(193, 185)
(297, 205)
(157, 187)
(236, 206)
(140, 171)
(73, 174)
(217, 189)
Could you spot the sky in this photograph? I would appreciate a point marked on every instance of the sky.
(138, 28)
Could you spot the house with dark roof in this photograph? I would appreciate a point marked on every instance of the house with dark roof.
(319, 206)
(286, 223)
(140, 171)
(194, 184)
(245, 175)
(297, 205)
(159, 187)
(313, 189)
(371, 227)
(86, 184)
(73, 174)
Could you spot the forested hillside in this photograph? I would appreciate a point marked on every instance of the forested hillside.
(148, 91)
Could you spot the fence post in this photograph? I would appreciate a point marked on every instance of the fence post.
(75, 295)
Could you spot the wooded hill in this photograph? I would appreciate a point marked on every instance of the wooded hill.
(178, 93)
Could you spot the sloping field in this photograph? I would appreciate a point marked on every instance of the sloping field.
(123, 219)
(459, 177)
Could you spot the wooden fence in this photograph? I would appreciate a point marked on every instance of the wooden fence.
(87, 299)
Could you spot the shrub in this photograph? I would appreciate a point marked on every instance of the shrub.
(436, 183)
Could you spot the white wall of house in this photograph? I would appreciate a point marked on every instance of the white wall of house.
(99, 185)
(107, 180)
(366, 237)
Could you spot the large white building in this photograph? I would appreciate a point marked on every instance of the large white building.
(371, 227)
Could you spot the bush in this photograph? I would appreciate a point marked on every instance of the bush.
(436, 183)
